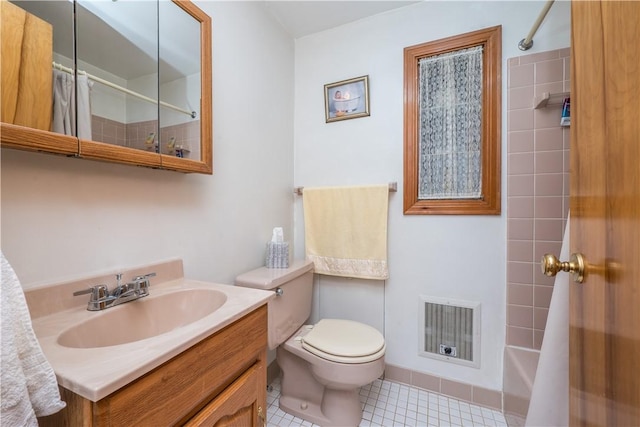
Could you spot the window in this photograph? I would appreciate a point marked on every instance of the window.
(452, 122)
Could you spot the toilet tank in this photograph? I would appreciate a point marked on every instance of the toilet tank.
(289, 310)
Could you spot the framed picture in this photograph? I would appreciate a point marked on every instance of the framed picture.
(347, 99)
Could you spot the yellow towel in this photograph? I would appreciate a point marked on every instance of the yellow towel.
(346, 230)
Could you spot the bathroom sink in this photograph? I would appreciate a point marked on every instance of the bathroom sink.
(144, 318)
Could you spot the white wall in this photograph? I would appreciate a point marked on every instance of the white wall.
(460, 257)
(65, 218)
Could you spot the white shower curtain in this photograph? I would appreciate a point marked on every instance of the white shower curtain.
(549, 405)
(64, 106)
(84, 107)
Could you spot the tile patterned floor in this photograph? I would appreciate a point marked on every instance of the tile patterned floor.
(391, 404)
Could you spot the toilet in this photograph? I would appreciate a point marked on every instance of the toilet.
(323, 365)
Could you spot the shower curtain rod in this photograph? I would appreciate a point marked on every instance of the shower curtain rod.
(393, 187)
(526, 43)
(123, 89)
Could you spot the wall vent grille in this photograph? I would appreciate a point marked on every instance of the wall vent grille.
(450, 330)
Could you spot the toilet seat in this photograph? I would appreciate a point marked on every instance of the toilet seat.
(344, 341)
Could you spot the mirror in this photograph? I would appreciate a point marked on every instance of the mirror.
(180, 86)
(137, 91)
(185, 82)
(117, 49)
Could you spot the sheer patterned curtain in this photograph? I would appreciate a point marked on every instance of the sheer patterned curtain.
(451, 125)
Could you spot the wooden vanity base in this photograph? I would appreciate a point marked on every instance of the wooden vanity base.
(219, 381)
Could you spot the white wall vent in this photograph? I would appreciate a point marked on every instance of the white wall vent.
(450, 330)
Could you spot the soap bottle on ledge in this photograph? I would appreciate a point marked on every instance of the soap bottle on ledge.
(171, 145)
(565, 120)
(150, 142)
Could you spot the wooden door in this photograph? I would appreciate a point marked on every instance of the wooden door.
(604, 368)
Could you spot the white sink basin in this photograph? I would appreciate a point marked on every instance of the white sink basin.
(95, 353)
(143, 318)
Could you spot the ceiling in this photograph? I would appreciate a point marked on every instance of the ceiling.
(301, 18)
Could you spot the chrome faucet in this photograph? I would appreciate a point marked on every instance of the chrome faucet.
(102, 299)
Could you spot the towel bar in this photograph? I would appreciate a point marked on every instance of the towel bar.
(393, 187)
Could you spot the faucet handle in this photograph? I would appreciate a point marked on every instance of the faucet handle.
(83, 292)
(144, 276)
(142, 282)
(97, 292)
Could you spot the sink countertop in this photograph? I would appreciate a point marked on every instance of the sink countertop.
(94, 373)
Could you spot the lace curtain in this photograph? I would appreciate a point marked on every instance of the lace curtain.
(451, 125)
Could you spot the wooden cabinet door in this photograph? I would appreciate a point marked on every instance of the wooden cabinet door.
(27, 53)
(240, 405)
(605, 213)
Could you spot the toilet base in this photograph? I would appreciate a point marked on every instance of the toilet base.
(312, 411)
(320, 391)
(338, 408)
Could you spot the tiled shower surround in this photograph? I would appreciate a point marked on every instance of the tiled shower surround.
(134, 134)
(537, 190)
(537, 207)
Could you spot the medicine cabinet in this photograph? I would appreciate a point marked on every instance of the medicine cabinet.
(119, 81)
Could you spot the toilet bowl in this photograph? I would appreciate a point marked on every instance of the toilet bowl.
(323, 365)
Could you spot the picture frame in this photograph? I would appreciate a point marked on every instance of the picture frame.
(346, 99)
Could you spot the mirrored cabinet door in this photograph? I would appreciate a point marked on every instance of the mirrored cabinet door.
(117, 87)
(185, 87)
(37, 99)
(180, 82)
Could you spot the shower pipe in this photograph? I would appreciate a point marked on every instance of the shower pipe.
(526, 43)
(393, 187)
(125, 90)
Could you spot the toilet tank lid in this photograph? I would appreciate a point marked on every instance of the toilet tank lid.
(269, 278)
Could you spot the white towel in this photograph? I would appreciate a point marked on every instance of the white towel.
(29, 386)
(346, 230)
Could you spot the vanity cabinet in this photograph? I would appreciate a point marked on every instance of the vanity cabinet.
(221, 381)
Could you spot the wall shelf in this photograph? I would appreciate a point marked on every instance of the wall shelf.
(550, 100)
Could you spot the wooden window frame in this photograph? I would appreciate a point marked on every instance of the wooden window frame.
(489, 203)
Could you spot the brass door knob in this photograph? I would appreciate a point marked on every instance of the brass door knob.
(550, 266)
